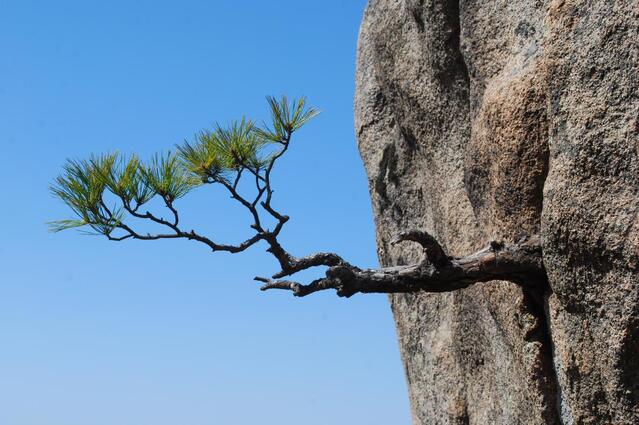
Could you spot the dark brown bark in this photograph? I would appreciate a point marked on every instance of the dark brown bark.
(520, 263)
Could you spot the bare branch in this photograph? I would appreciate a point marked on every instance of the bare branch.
(520, 263)
(248, 205)
(266, 204)
(119, 238)
(298, 290)
(433, 250)
(176, 217)
(237, 178)
(178, 233)
(292, 265)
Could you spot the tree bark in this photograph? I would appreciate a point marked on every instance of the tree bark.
(520, 262)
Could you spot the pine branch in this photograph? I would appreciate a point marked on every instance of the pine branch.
(434, 252)
(224, 156)
(520, 263)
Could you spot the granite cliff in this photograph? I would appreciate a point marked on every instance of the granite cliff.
(498, 120)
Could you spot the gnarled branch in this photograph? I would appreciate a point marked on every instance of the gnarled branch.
(433, 250)
(520, 263)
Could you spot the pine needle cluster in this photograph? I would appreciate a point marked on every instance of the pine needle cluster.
(220, 155)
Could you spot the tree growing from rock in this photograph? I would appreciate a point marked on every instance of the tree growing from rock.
(107, 192)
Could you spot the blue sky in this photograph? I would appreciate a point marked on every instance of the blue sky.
(133, 333)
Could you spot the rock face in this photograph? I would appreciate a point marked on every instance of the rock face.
(482, 121)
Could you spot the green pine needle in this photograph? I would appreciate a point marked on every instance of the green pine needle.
(213, 154)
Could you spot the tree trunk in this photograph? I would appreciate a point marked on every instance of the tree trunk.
(482, 121)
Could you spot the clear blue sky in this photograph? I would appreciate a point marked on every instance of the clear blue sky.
(163, 333)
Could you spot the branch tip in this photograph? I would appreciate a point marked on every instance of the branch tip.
(433, 250)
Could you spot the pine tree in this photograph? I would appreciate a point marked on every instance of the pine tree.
(242, 150)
